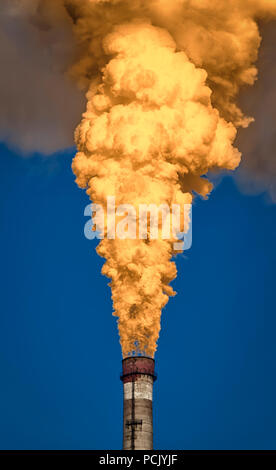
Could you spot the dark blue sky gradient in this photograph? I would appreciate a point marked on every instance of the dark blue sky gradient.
(60, 356)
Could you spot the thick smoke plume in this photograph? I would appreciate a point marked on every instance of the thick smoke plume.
(149, 131)
(162, 81)
(161, 113)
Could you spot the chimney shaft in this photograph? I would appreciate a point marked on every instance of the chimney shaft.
(138, 377)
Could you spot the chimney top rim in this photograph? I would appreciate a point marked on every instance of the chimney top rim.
(137, 357)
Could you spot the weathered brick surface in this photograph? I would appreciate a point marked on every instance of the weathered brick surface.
(137, 365)
(138, 376)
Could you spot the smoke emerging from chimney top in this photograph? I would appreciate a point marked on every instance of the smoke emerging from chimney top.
(161, 80)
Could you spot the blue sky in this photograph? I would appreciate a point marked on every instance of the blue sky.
(60, 357)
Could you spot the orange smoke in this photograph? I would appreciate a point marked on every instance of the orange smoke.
(162, 80)
(161, 113)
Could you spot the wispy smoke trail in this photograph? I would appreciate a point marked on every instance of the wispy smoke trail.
(39, 105)
(163, 80)
(257, 172)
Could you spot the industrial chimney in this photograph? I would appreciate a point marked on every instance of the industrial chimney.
(138, 377)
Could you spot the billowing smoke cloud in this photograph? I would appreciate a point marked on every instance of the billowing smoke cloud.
(163, 80)
(144, 134)
(161, 114)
